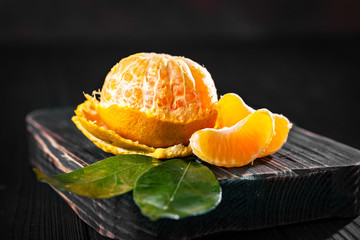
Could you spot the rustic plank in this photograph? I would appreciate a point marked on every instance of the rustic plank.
(311, 177)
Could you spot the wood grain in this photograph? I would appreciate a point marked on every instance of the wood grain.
(311, 177)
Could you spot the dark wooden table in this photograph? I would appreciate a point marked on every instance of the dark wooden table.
(310, 81)
(310, 178)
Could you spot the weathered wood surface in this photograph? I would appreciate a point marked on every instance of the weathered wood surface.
(310, 178)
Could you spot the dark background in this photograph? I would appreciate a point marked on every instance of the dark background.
(298, 58)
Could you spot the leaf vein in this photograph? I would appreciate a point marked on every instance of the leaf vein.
(177, 186)
(94, 180)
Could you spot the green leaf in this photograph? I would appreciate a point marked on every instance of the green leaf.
(106, 178)
(176, 189)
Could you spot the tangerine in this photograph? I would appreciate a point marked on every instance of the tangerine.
(150, 101)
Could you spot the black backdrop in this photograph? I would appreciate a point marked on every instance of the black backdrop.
(298, 58)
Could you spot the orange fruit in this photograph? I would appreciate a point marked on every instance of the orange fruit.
(237, 145)
(150, 101)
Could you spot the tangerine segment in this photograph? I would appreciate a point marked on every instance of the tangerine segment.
(282, 128)
(233, 109)
(93, 127)
(235, 146)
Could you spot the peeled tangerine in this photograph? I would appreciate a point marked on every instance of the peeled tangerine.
(241, 134)
(150, 104)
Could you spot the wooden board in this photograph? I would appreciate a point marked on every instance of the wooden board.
(311, 177)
